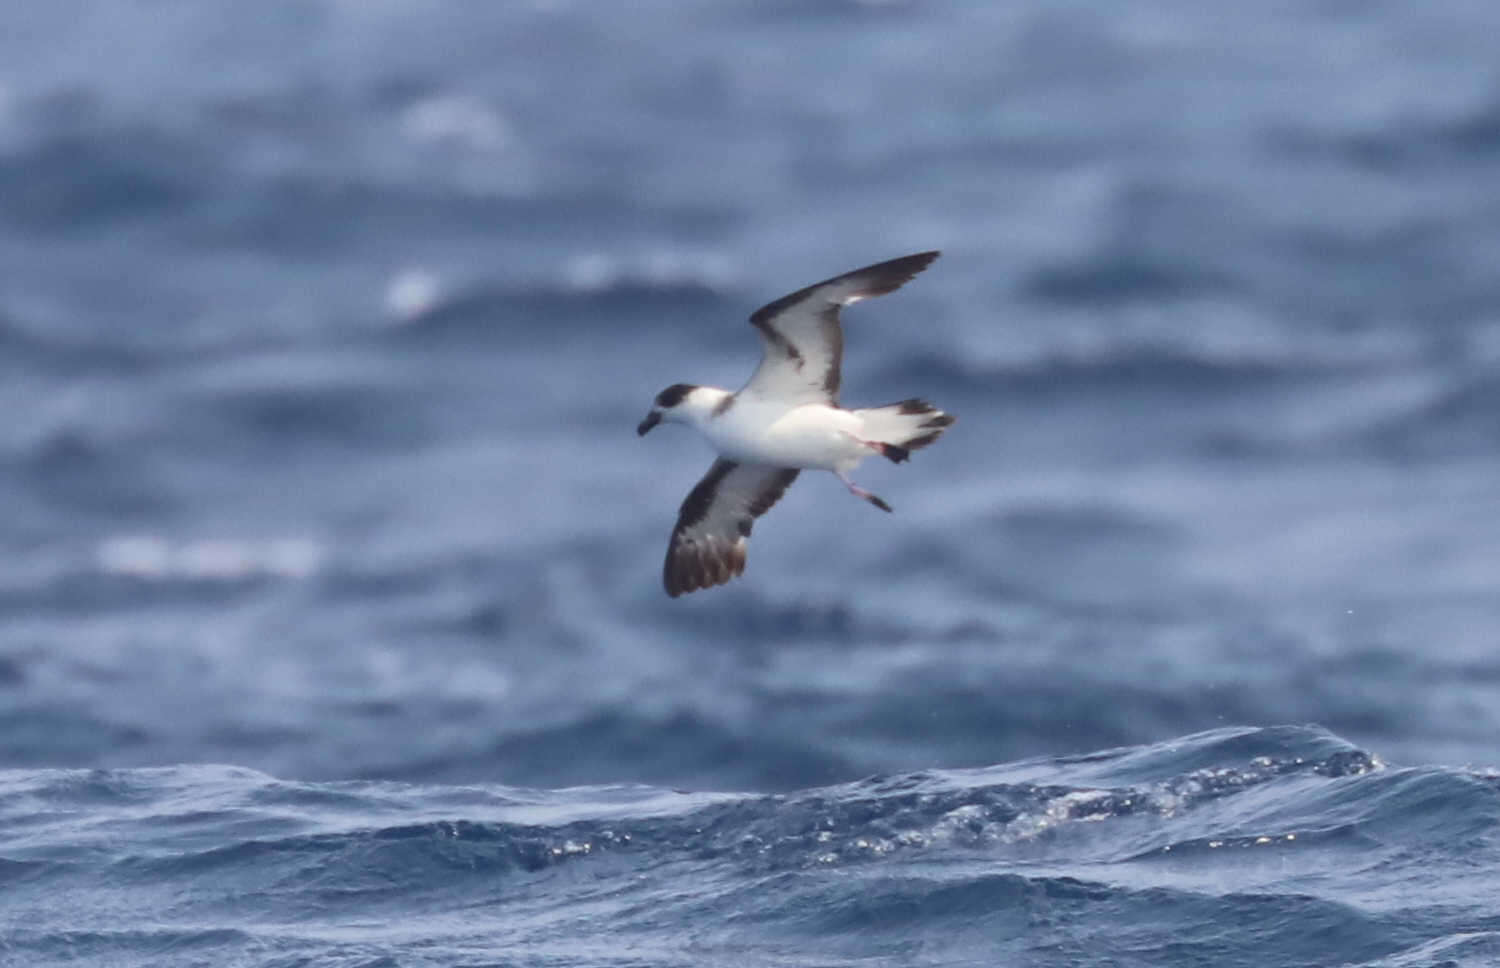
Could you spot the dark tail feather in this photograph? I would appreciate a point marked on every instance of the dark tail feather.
(904, 427)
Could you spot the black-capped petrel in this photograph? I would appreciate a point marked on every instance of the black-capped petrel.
(787, 419)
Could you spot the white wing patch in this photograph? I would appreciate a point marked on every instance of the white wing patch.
(804, 341)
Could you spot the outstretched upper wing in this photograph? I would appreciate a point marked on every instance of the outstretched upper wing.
(804, 344)
(708, 544)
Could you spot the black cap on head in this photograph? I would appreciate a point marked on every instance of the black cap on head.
(672, 395)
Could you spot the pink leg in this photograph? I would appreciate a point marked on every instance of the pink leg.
(860, 492)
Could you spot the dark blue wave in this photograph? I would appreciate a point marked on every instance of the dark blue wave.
(1049, 859)
(324, 333)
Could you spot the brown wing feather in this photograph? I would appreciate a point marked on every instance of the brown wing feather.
(708, 543)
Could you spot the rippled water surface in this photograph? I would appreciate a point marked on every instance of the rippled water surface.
(331, 630)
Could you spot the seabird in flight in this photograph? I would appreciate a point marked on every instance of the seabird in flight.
(787, 419)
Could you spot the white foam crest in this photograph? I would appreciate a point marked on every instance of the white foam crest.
(1234, 336)
(658, 268)
(458, 120)
(155, 558)
(412, 293)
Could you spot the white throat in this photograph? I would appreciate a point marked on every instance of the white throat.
(701, 406)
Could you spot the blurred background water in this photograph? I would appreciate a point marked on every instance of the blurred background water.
(331, 630)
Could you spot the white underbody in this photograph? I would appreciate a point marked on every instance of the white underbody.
(813, 436)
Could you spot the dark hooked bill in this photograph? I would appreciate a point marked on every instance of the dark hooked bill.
(652, 419)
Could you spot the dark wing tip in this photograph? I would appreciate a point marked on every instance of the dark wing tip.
(884, 277)
(691, 566)
(911, 264)
(874, 280)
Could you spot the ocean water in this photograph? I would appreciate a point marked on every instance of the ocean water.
(331, 627)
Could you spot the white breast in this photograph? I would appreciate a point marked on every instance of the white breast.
(814, 436)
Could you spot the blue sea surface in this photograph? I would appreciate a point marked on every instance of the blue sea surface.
(331, 624)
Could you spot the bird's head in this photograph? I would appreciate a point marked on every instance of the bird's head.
(676, 404)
